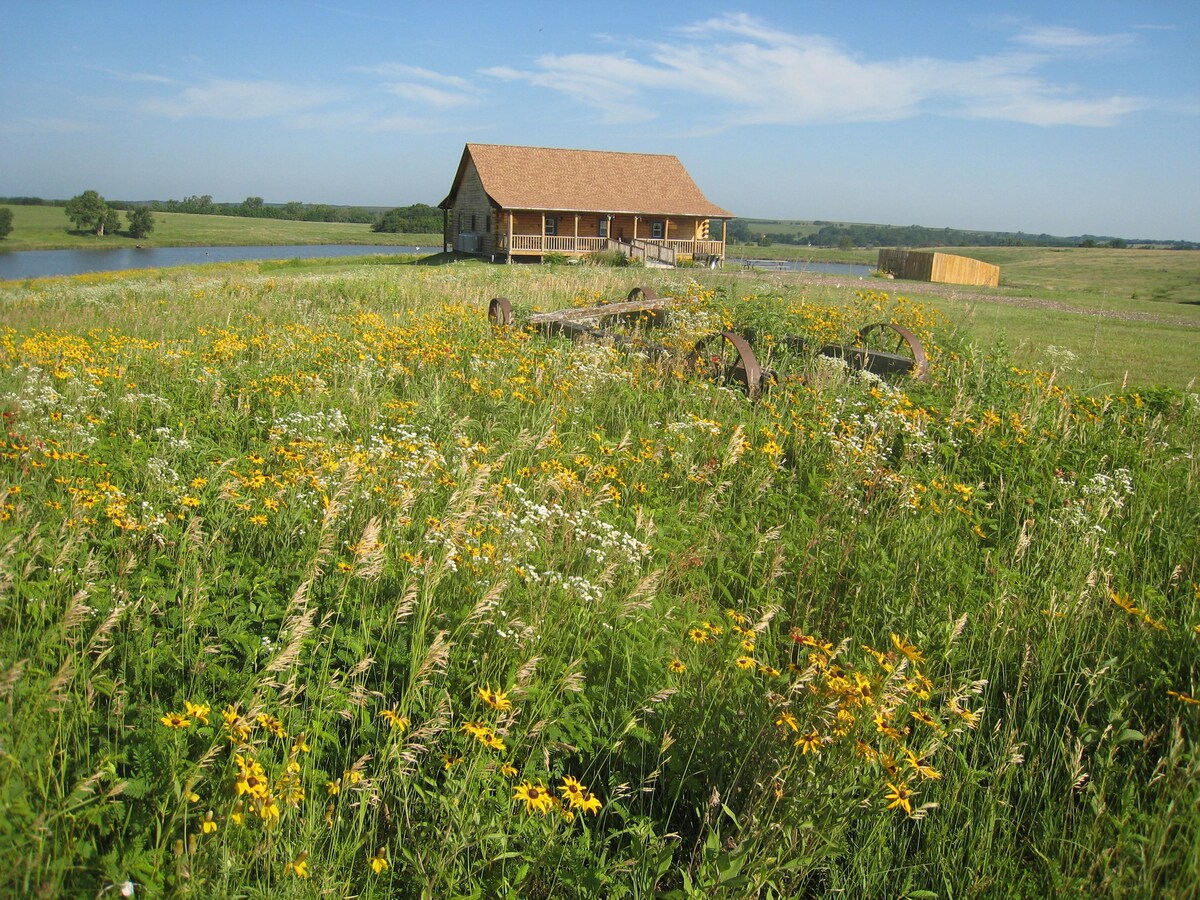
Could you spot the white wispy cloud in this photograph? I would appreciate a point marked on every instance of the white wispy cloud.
(423, 87)
(428, 94)
(405, 71)
(745, 71)
(233, 99)
(1057, 38)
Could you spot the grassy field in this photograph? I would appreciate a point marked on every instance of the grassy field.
(313, 584)
(48, 228)
(1099, 317)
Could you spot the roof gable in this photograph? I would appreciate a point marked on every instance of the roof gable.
(586, 180)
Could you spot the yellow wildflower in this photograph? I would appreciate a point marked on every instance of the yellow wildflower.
(899, 797)
(298, 866)
(497, 700)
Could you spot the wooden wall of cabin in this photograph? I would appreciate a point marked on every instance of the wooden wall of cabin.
(473, 212)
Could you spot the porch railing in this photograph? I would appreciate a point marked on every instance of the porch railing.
(557, 244)
(664, 251)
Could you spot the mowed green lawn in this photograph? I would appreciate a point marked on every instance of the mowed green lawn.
(48, 228)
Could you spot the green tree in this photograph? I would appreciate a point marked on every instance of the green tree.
(252, 207)
(89, 212)
(420, 218)
(6, 217)
(141, 221)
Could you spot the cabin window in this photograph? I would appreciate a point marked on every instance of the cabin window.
(472, 221)
(489, 225)
(656, 230)
(602, 227)
(551, 225)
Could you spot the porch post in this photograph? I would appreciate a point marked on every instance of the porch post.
(445, 229)
(635, 221)
(575, 247)
(510, 235)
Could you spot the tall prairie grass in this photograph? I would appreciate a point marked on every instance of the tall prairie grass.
(315, 585)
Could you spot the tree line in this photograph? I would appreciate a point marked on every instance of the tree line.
(418, 218)
(846, 236)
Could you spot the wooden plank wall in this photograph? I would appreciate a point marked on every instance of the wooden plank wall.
(911, 264)
(944, 268)
(951, 269)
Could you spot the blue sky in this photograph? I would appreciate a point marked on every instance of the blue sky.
(1066, 118)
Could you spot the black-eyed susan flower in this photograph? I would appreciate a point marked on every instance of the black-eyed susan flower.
(676, 667)
(899, 797)
(497, 700)
(176, 720)
(535, 797)
(397, 721)
(572, 790)
(787, 720)
(809, 743)
(925, 718)
(745, 662)
(909, 650)
(198, 711)
(918, 766)
(590, 803)
(508, 770)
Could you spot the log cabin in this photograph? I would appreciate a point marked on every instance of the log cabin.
(526, 202)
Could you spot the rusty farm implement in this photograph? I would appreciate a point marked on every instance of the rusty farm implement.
(886, 349)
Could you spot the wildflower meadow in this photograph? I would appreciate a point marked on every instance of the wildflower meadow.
(314, 584)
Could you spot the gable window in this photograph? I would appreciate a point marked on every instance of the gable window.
(602, 227)
(656, 230)
(551, 225)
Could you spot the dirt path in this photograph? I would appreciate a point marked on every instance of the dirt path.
(949, 292)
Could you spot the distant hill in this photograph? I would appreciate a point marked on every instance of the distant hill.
(819, 233)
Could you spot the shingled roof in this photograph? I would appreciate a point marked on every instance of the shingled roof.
(542, 178)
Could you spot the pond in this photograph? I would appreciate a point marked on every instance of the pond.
(47, 263)
(803, 265)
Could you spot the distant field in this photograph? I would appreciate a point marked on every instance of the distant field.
(1097, 316)
(45, 228)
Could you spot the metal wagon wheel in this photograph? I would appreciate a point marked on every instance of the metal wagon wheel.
(726, 357)
(500, 313)
(889, 349)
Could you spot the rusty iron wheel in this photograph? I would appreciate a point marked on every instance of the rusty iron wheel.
(726, 357)
(874, 339)
(500, 313)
